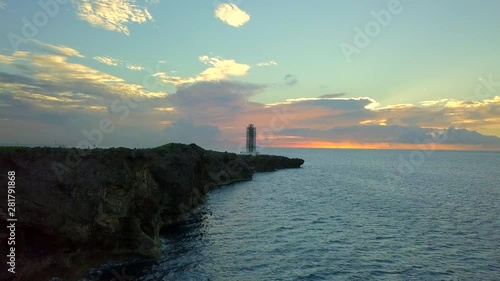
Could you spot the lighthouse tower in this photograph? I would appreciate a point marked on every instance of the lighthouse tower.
(251, 139)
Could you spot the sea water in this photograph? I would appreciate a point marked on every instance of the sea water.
(345, 215)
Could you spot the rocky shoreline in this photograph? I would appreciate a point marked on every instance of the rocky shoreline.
(78, 208)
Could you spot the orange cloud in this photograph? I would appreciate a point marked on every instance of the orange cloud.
(381, 145)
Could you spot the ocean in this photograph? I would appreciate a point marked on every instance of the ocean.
(345, 215)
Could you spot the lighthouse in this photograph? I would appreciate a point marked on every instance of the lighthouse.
(251, 139)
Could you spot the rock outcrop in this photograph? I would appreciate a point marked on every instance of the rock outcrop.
(78, 208)
(269, 163)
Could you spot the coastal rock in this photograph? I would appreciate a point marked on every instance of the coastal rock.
(269, 163)
(78, 208)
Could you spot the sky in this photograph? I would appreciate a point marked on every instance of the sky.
(388, 74)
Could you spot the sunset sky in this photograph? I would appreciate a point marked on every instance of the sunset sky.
(318, 73)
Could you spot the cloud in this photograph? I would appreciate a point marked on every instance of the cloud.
(44, 97)
(231, 14)
(474, 115)
(331, 102)
(135, 67)
(118, 62)
(164, 108)
(269, 63)
(323, 112)
(219, 69)
(51, 81)
(464, 136)
(112, 15)
(291, 80)
(58, 50)
(330, 119)
(200, 110)
(329, 96)
(393, 135)
(62, 97)
(214, 99)
(2, 5)
(107, 60)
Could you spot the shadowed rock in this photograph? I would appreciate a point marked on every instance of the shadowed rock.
(79, 208)
(269, 163)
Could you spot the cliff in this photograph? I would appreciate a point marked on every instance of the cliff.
(78, 208)
(270, 163)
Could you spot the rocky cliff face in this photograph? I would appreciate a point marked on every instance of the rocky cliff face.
(77, 208)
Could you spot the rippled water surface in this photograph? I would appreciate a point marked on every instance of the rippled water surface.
(345, 215)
